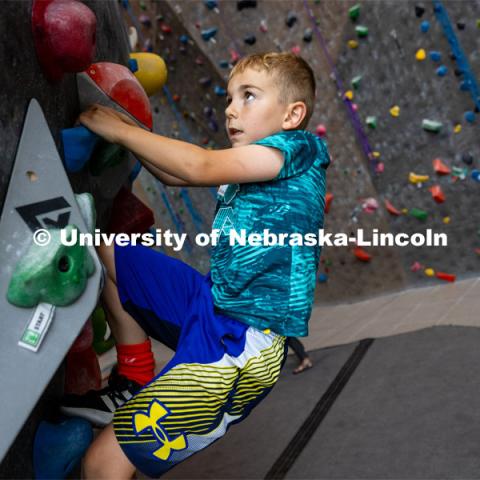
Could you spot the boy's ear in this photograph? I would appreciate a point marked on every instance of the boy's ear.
(294, 116)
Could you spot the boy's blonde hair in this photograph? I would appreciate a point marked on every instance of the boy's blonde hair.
(292, 74)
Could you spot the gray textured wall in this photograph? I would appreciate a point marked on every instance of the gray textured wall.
(21, 79)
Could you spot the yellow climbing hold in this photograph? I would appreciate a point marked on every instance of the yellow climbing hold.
(429, 272)
(415, 178)
(404, 211)
(349, 95)
(376, 154)
(421, 55)
(395, 111)
(446, 220)
(353, 44)
(151, 72)
(457, 128)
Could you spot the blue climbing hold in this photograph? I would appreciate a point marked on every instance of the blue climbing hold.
(223, 63)
(322, 278)
(464, 86)
(442, 70)
(211, 4)
(476, 175)
(209, 33)
(78, 145)
(221, 92)
(135, 171)
(425, 26)
(184, 39)
(469, 116)
(132, 65)
(435, 56)
(57, 448)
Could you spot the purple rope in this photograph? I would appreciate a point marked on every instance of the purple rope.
(361, 135)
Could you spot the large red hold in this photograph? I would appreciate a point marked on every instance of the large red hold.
(64, 36)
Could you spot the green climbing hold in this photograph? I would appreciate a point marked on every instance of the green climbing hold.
(418, 213)
(354, 12)
(372, 122)
(86, 205)
(54, 273)
(106, 155)
(431, 125)
(460, 172)
(361, 30)
(356, 82)
(101, 343)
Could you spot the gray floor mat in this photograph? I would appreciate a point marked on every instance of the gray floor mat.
(409, 411)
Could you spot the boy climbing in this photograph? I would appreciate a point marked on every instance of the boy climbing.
(228, 328)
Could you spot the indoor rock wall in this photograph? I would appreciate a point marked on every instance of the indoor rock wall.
(391, 76)
(21, 80)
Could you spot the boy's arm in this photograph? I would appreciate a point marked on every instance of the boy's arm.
(165, 178)
(190, 163)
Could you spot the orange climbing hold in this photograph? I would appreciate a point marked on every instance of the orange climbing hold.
(440, 167)
(437, 193)
(391, 209)
(448, 277)
(328, 201)
(361, 254)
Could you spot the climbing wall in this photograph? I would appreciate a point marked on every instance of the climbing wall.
(391, 75)
(365, 66)
(22, 79)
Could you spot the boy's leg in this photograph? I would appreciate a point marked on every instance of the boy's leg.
(145, 293)
(106, 460)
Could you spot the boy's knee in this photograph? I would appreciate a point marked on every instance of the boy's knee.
(107, 256)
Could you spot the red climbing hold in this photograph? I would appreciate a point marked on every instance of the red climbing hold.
(64, 36)
(437, 193)
(361, 254)
(440, 167)
(120, 84)
(446, 276)
(391, 209)
(328, 201)
(129, 214)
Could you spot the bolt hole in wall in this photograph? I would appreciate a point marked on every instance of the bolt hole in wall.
(31, 175)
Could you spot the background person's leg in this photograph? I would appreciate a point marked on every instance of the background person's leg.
(304, 360)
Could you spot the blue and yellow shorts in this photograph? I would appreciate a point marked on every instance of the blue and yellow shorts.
(221, 369)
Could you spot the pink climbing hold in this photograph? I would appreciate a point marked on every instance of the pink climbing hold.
(64, 36)
(321, 130)
(369, 205)
(296, 50)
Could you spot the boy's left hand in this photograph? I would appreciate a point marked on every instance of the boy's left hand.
(106, 122)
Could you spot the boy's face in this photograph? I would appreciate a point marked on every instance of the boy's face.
(254, 110)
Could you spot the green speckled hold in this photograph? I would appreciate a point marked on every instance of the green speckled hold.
(101, 343)
(55, 273)
(371, 122)
(361, 30)
(418, 214)
(356, 82)
(354, 12)
(431, 125)
(106, 155)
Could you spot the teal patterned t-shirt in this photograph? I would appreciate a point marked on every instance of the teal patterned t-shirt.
(272, 286)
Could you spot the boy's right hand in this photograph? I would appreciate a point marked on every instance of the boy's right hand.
(107, 123)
